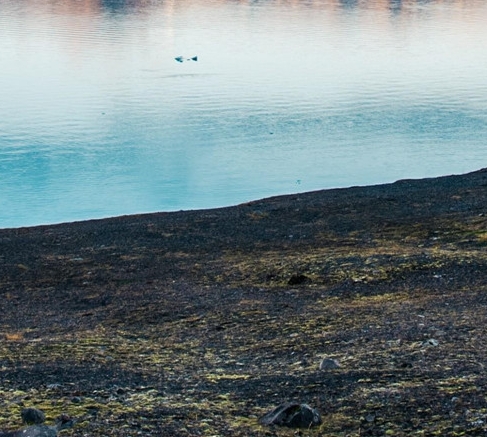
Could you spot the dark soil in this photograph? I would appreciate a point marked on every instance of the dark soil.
(199, 322)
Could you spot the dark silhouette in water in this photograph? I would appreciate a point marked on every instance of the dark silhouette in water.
(182, 59)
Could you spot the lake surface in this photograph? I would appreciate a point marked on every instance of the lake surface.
(98, 119)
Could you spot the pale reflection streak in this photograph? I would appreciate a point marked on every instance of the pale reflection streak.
(82, 17)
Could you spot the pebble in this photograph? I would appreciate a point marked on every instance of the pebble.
(431, 342)
(329, 364)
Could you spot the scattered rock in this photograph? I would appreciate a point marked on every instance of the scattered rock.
(32, 416)
(370, 418)
(292, 415)
(329, 364)
(63, 422)
(431, 342)
(32, 431)
(297, 279)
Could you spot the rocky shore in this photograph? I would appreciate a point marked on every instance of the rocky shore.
(368, 304)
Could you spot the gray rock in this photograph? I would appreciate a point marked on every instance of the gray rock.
(292, 415)
(329, 364)
(32, 416)
(431, 342)
(41, 430)
(32, 431)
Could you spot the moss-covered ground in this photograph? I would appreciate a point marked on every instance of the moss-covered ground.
(197, 323)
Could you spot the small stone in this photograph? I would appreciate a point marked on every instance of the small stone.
(329, 364)
(297, 279)
(292, 415)
(431, 342)
(370, 418)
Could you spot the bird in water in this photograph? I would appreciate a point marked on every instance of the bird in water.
(182, 58)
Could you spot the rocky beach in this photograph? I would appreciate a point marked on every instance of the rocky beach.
(366, 303)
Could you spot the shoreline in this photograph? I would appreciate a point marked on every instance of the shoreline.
(381, 186)
(199, 322)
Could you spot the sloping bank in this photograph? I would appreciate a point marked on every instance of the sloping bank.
(199, 322)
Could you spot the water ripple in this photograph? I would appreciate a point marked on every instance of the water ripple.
(98, 119)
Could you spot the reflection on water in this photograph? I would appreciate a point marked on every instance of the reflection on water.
(98, 119)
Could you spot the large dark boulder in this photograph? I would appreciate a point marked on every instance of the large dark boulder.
(32, 416)
(292, 415)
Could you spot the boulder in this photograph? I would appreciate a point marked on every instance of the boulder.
(63, 422)
(32, 431)
(32, 416)
(292, 415)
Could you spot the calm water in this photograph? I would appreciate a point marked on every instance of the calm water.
(97, 118)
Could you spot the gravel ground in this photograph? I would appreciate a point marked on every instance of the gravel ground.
(197, 323)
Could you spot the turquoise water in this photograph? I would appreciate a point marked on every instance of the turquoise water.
(98, 119)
